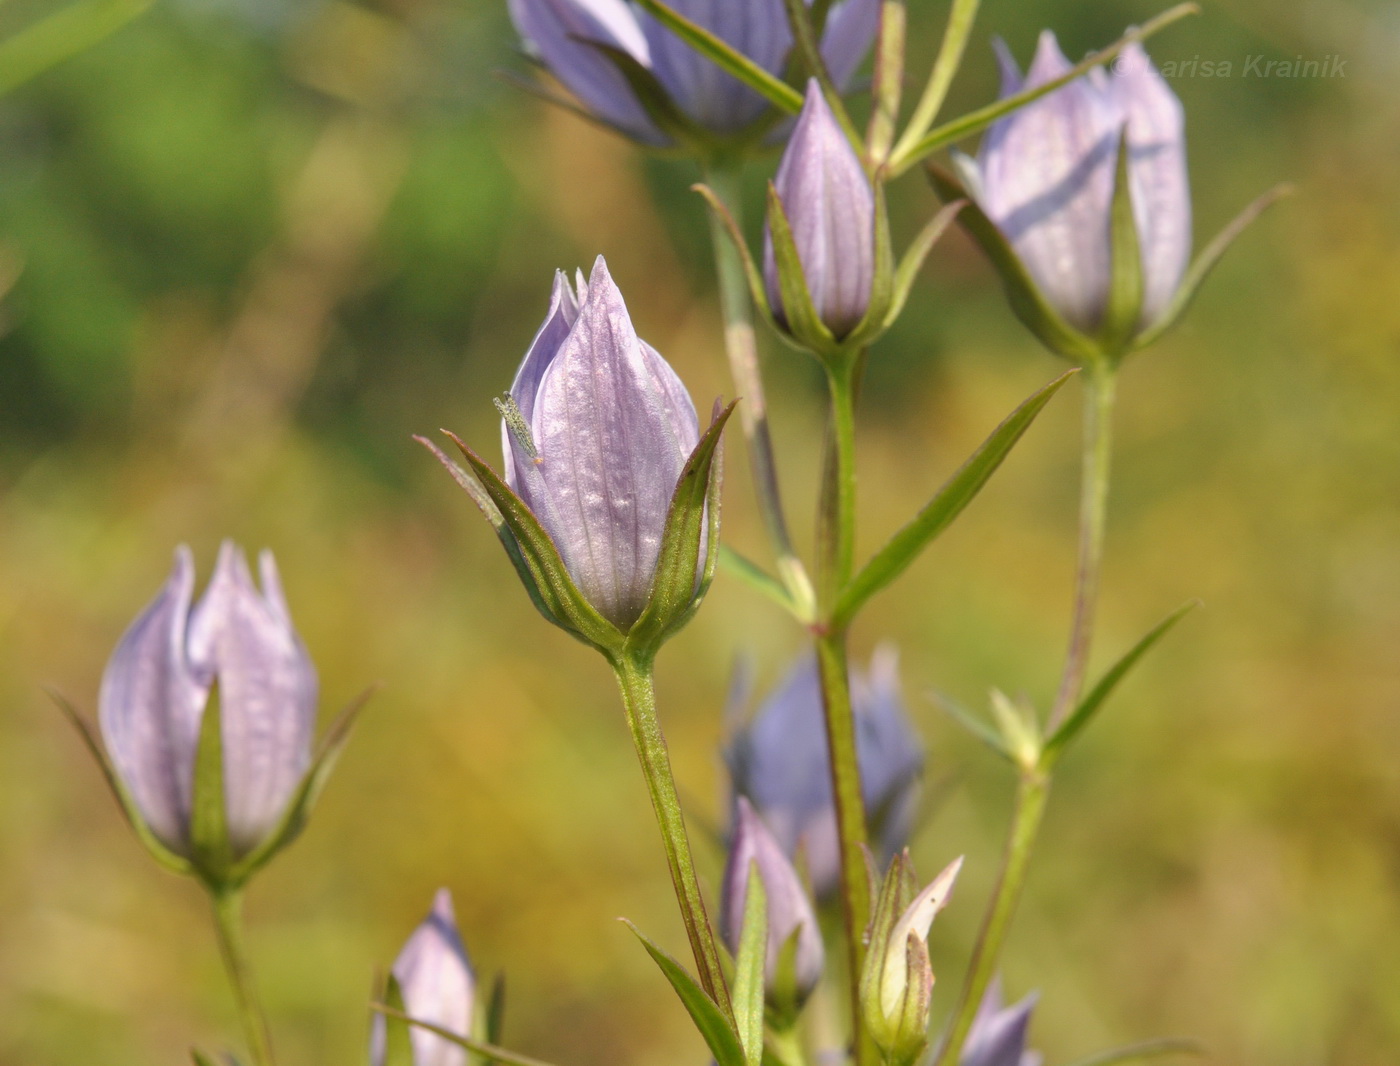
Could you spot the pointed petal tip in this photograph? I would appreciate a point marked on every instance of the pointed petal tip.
(442, 906)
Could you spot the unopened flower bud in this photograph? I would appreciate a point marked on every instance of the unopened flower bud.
(790, 914)
(830, 208)
(158, 684)
(437, 985)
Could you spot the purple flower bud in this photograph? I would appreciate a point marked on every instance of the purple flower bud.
(779, 761)
(830, 207)
(564, 33)
(438, 986)
(998, 1034)
(611, 427)
(789, 910)
(1047, 174)
(158, 683)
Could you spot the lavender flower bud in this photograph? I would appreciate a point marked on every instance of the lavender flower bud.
(789, 910)
(565, 35)
(1046, 177)
(437, 984)
(779, 762)
(998, 1034)
(830, 208)
(605, 430)
(158, 683)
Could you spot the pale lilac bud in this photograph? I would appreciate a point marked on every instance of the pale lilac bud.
(610, 428)
(1047, 175)
(158, 684)
(779, 761)
(830, 208)
(789, 910)
(564, 34)
(998, 1035)
(437, 984)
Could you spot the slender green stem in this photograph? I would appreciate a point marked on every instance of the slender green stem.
(1031, 795)
(742, 347)
(634, 678)
(1093, 512)
(836, 535)
(228, 924)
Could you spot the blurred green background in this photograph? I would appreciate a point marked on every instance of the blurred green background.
(254, 245)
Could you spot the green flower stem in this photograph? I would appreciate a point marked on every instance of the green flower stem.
(742, 347)
(1093, 511)
(836, 540)
(228, 924)
(634, 678)
(785, 1046)
(1031, 795)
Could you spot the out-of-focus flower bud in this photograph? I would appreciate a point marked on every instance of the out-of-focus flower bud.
(998, 1034)
(156, 691)
(897, 983)
(794, 956)
(779, 761)
(588, 44)
(1046, 178)
(829, 207)
(436, 984)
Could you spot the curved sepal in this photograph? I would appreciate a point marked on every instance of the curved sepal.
(1027, 301)
(804, 324)
(538, 561)
(908, 270)
(882, 285)
(758, 293)
(1126, 286)
(692, 524)
(651, 94)
(212, 853)
(166, 858)
(748, 969)
(398, 1038)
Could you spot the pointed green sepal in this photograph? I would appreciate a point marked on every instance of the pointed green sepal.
(784, 998)
(163, 855)
(398, 1039)
(949, 502)
(1019, 727)
(719, 1036)
(1027, 301)
(680, 583)
(748, 969)
(1123, 310)
(493, 1022)
(877, 316)
(913, 262)
(651, 94)
(538, 561)
(1098, 695)
(804, 325)
(897, 891)
(1205, 263)
(212, 854)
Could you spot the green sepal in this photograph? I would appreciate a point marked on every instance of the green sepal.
(1148, 1049)
(726, 57)
(651, 94)
(974, 723)
(163, 855)
(718, 1034)
(757, 578)
(749, 967)
(1019, 728)
(803, 323)
(877, 314)
(1123, 309)
(1205, 263)
(676, 592)
(494, 1019)
(539, 564)
(913, 262)
(1027, 301)
(211, 852)
(1090, 705)
(398, 1040)
(897, 891)
(784, 999)
(313, 782)
(199, 1058)
(960, 490)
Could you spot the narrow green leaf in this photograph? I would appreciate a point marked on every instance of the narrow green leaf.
(299, 810)
(565, 605)
(748, 968)
(719, 1037)
(961, 16)
(973, 723)
(398, 1042)
(496, 1010)
(1027, 301)
(960, 490)
(914, 259)
(1149, 1049)
(1205, 263)
(477, 1047)
(758, 579)
(163, 855)
(61, 35)
(1091, 704)
(675, 590)
(1125, 285)
(983, 117)
(803, 322)
(213, 854)
(726, 57)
